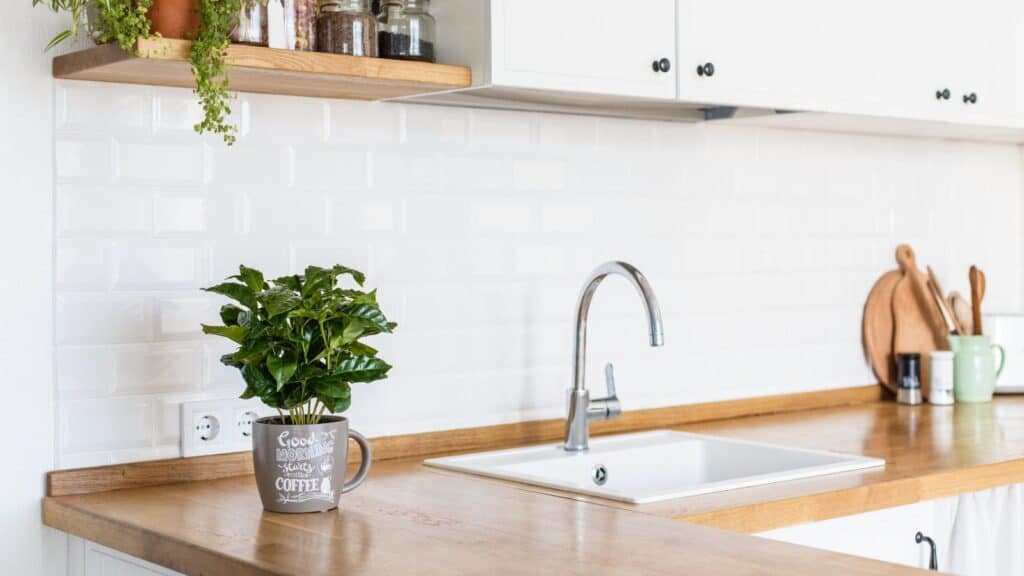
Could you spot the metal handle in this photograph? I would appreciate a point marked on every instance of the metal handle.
(706, 69)
(971, 98)
(606, 408)
(933, 561)
(366, 456)
(943, 94)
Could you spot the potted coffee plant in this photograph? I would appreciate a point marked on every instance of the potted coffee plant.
(299, 350)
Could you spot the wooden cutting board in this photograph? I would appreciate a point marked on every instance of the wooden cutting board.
(900, 316)
(877, 329)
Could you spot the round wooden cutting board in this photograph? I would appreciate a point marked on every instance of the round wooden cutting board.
(877, 329)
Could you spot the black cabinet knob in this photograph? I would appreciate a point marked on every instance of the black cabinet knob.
(942, 94)
(663, 65)
(971, 98)
(706, 69)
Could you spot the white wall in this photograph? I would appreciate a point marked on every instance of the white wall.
(26, 291)
(479, 227)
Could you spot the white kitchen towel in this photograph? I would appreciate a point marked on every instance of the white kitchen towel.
(986, 539)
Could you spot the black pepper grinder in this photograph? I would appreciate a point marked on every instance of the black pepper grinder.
(909, 377)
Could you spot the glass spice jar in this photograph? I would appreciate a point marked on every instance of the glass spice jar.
(406, 30)
(251, 27)
(285, 24)
(346, 27)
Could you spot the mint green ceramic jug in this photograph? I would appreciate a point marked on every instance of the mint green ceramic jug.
(974, 367)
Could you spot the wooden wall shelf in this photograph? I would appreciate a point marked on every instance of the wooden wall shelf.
(164, 62)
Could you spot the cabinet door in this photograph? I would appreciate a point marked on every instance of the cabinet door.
(787, 54)
(986, 61)
(886, 535)
(592, 46)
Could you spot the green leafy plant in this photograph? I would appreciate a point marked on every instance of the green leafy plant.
(208, 54)
(299, 338)
(120, 21)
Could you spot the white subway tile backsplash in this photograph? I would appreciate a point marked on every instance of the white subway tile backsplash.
(478, 228)
(178, 214)
(103, 318)
(107, 424)
(96, 211)
(164, 163)
(87, 160)
(159, 265)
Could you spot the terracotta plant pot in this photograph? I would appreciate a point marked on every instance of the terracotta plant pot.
(174, 18)
(301, 468)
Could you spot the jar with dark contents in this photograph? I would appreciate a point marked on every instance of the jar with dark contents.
(406, 30)
(346, 27)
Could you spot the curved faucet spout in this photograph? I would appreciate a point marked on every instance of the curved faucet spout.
(639, 281)
(581, 408)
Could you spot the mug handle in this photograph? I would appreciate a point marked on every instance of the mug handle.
(366, 456)
(1002, 358)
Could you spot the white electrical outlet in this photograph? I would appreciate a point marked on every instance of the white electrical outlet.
(219, 426)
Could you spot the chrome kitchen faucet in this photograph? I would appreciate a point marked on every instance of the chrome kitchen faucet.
(581, 408)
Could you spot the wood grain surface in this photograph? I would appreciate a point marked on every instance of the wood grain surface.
(410, 520)
(877, 329)
(159, 472)
(165, 62)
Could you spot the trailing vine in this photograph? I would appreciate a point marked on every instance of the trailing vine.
(209, 50)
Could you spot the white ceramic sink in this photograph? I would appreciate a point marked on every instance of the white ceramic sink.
(653, 466)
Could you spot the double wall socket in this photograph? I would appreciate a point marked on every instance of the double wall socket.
(219, 426)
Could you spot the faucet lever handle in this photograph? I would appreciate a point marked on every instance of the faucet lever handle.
(609, 379)
(606, 408)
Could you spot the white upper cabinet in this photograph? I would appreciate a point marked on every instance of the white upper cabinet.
(910, 59)
(596, 46)
(940, 68)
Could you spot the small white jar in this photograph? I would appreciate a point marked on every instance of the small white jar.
(942, 378)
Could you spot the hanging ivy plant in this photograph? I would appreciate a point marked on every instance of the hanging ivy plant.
(208, 54)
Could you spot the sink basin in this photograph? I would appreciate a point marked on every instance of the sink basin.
(654, 466)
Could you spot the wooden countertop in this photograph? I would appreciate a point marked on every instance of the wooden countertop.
(408, 519)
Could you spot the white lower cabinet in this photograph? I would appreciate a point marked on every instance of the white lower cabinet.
(976, 534)
(87, 558)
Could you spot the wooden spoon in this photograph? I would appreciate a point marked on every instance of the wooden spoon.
(952, 323)
(961, 308)
(977, 278)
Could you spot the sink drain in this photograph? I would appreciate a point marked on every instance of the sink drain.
(600, 475)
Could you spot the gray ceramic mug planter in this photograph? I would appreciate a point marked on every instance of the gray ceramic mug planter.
(301, 468)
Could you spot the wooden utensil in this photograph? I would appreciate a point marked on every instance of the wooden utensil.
(961, 308)
(977, 278)
(877, 329)
(952, 324)
(917, 324)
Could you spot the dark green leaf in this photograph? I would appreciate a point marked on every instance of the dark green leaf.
(292, 282)
(339, 270)
(336, 405)
(279, 300)
(370, 314)
(316, 279)
(229, 360)
(251, 277)
(331, 387)
(235, 333)
(229, 314)
(258, 379)
(361, 369)
(238, 292)
(282, 368)
(360, 349)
